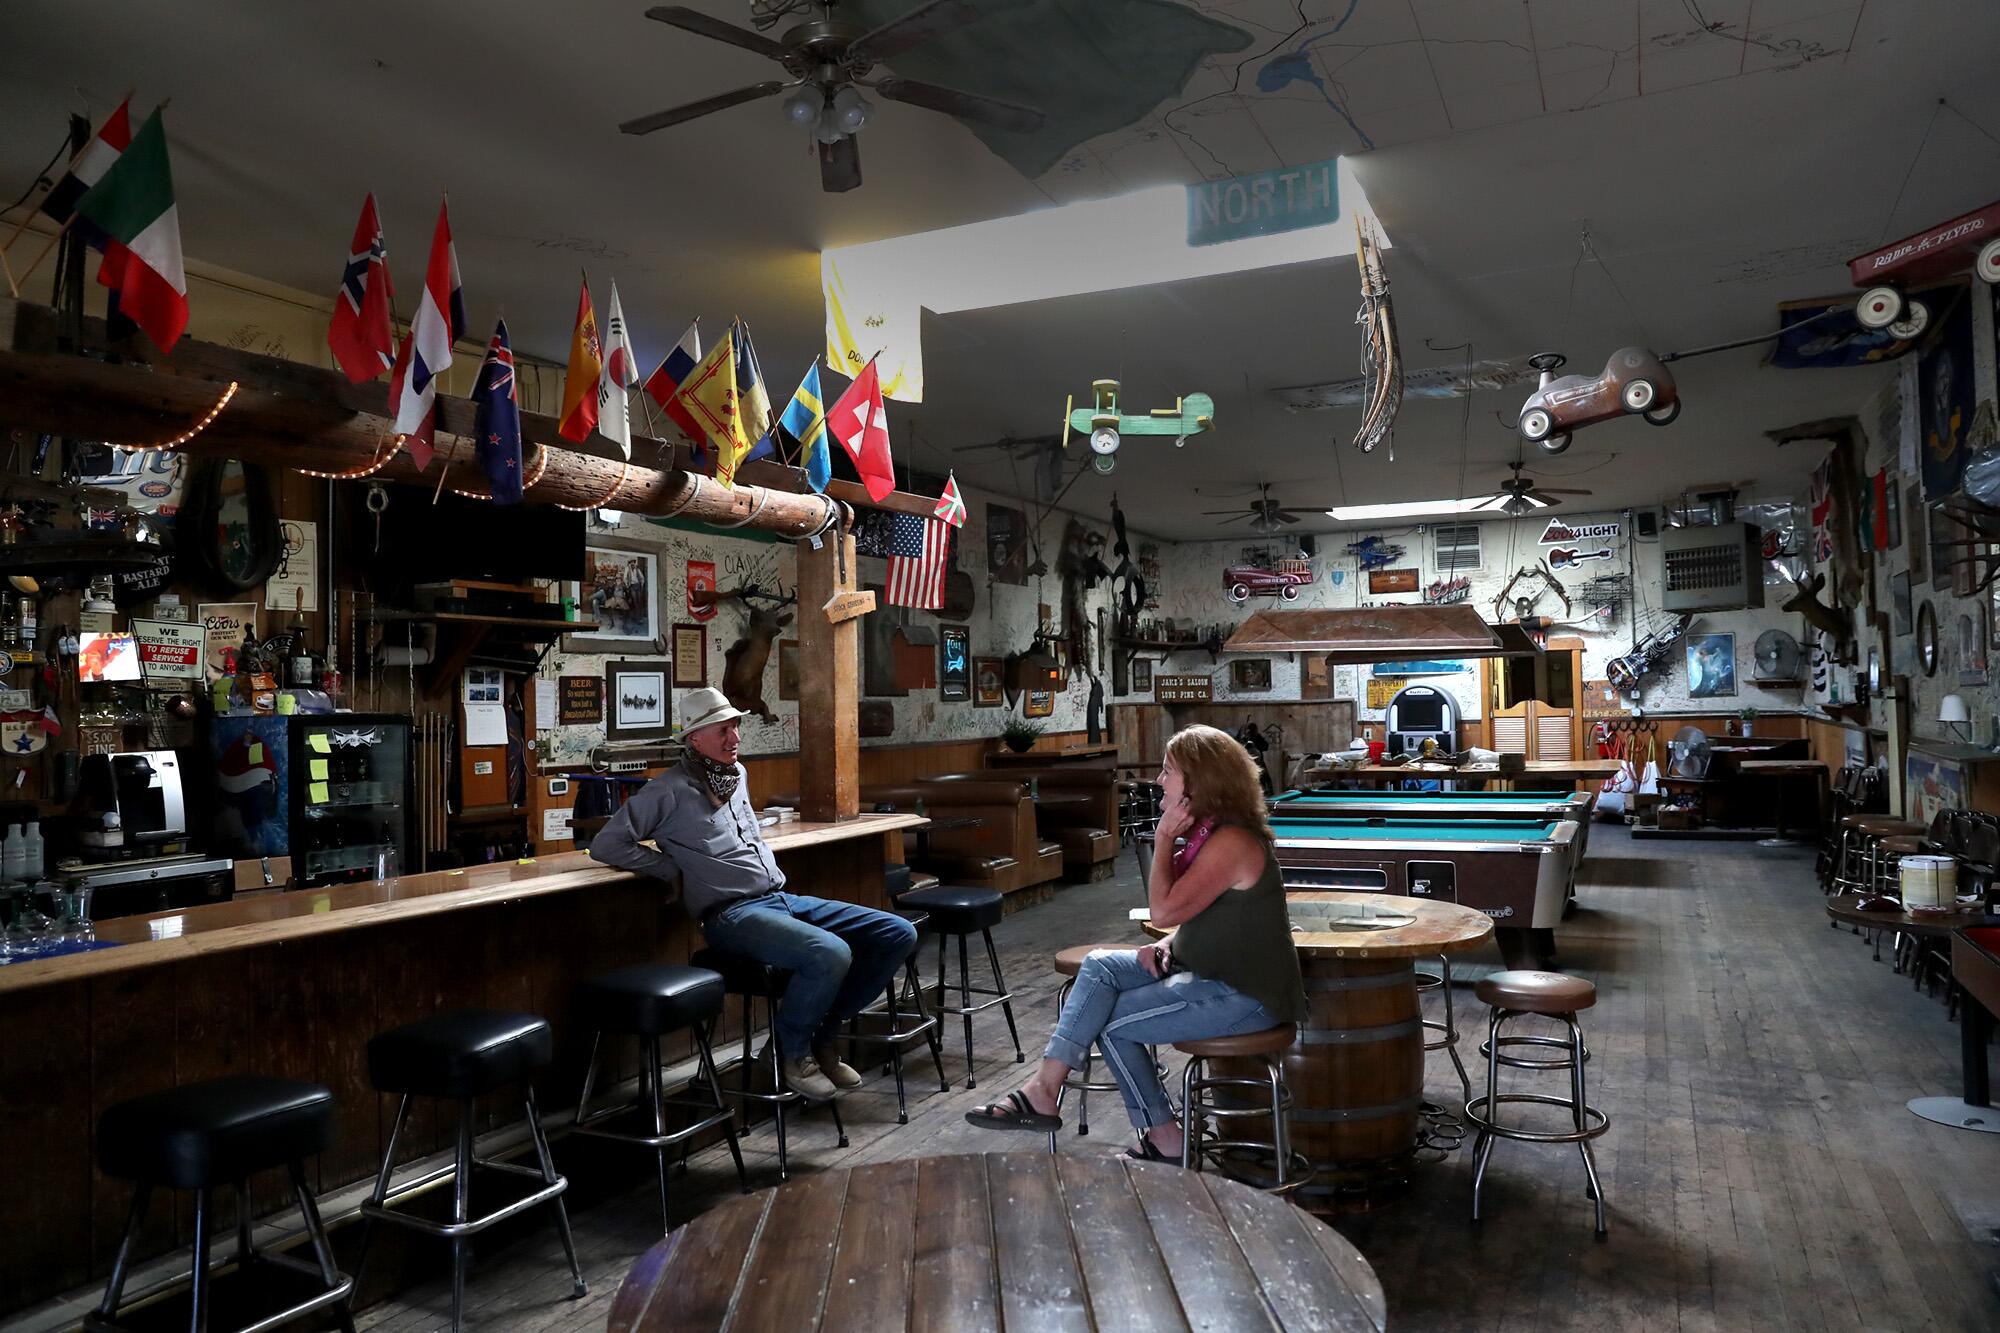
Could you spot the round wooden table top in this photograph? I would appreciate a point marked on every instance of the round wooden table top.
(1438, 928)
(1936, 924)
(1024, 1240)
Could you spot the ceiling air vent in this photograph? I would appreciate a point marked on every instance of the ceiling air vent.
(1713, 567)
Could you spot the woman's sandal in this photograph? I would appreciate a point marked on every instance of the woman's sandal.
(1018, 1114)
(1147, 1151)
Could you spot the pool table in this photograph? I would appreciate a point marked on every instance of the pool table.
(1516, 871)
(1400, 806)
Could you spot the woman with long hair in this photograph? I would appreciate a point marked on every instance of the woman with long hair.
(1229, 967)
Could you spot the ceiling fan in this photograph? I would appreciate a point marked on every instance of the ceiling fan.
(1264, 513)
(1523, 495)
(829, 62)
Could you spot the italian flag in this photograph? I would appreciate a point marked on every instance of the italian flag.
(133, 203)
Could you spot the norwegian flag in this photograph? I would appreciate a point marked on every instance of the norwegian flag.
(951, 505)
(426, 350)
(918, 549)
(360, 336)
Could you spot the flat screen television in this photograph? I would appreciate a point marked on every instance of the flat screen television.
(457, 538)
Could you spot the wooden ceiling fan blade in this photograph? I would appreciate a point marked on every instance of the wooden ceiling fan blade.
(1562, 490)
(659, 120)
(840, 165)
(967, 106)
(707, 25)
(923, 23)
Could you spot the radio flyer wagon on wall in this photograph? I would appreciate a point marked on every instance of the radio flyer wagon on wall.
(1920, 260)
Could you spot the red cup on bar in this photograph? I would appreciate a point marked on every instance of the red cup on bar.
(1375, 750)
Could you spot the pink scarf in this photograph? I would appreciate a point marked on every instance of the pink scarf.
(1196, 837)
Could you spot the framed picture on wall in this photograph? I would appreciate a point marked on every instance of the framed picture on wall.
(1942, 529)
(1972, 636)
(954, 664)
(1142, 675)
(1899, 602)
(621, 592)
(1711, 666)
(788, 670)
(690, 656)
(1993, 614)
(1914, 531)
(987, 689)
(1250, 674)
(1892, 507)
(638, 703)
(1038, 703)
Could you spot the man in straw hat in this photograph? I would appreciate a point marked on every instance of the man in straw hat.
(698, 814)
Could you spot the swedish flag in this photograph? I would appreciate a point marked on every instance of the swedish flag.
(804, 419)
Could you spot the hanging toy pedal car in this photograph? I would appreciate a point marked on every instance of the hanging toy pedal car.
(1635, 382)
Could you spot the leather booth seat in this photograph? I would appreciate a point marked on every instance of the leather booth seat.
(1087, 832)
(1003, 851)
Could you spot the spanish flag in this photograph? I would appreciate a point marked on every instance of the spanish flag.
(586, 365)
(710, 395)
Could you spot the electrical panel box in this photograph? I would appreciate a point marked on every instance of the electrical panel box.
(1713, 567)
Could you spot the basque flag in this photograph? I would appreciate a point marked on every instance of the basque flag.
(426, 350)
(362, 341)
(497, 419)
(664, 383)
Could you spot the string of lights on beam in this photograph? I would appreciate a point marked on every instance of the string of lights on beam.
(603, 501)
(207, 420)
(528, 483)
(380, 461)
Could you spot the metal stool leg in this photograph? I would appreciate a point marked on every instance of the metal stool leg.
(649, 1088)
(1280, 1150)
(549, 1177)
(1191, 1117)
(896, 1055)
(322, 1248)
(1482, 1148)
(702, 1037)
(936, 1035)
(243, 1250)
(1007, 1004)
(121, 1265)
(777, 1074)
(1579, 1089)
(381, 1188)
(965, 1005)
(198, 1290)
(461, 1200)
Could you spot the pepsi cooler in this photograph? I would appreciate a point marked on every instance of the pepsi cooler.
(329, 790)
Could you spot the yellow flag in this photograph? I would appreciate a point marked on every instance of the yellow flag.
(586, 364)
(709, 393)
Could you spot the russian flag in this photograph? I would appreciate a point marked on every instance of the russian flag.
(663, 385)
(426, 350)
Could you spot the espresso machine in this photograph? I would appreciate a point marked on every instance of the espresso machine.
(133, 840)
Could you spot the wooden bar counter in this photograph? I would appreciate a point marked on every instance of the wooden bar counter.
(294, 984)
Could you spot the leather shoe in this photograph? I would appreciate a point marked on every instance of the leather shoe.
(827, 1056)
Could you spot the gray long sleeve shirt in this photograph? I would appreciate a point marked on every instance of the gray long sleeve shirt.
(718, 853)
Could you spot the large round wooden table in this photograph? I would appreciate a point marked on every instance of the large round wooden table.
(1016, 1241)
(1356, 1072)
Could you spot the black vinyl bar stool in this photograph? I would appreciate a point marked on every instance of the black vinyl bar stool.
(222, 1132)
(961, 910)
(459, 1055)
(754, 981)
(1518, 994)
(923, 1023)
(651, 1001)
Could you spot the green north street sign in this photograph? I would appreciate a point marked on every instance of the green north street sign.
(1283, 199)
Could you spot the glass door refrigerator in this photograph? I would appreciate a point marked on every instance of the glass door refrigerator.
(330, 790)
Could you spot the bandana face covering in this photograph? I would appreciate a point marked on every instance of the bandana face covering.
(719, 779)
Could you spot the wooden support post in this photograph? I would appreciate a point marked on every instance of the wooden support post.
(829, 684)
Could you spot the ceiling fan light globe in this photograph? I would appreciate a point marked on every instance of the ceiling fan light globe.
(827, 130)
(803, 106)
(851, 110)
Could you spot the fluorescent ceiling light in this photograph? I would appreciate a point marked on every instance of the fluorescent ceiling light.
(1136, 239)
(1409, 508)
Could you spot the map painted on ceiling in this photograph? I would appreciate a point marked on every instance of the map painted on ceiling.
(1145, 92)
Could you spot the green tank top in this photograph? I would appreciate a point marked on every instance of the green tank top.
(1244, 939)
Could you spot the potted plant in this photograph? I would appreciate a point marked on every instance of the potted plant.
(1019, 736)
(1749, 716)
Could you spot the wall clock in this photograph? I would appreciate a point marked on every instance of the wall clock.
(1927, 638)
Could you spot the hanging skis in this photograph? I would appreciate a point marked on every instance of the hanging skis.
(1381, 357)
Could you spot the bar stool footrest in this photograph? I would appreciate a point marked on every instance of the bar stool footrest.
(1595, 1121)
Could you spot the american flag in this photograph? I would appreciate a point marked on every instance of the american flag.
(918, 548)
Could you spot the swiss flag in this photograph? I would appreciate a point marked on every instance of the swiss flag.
(861, 424)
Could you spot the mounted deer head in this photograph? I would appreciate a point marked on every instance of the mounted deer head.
(1805, 601)
(745, 660)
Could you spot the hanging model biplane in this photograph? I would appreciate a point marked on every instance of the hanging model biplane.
(1107, 427)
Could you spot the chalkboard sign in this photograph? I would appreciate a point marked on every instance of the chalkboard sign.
(580, 700)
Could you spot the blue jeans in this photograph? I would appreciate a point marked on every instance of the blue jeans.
(1124, 1008)
(841, 957)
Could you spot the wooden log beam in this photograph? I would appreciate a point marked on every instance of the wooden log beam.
(284, 414)
(829, 684)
